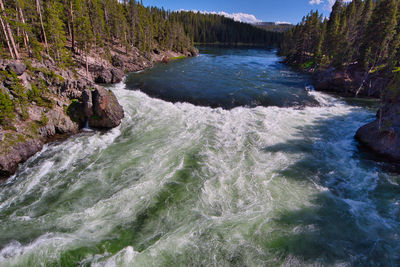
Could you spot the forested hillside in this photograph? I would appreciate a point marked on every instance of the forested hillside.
(356, 52)
(210, 28)
(361, 33)
(55, 28)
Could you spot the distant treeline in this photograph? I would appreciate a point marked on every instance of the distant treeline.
(360, 33)
(274, 27)
(211, 28)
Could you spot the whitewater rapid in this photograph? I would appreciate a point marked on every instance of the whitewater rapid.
(182, 185)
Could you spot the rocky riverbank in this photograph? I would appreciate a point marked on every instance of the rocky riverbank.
(381, 136)
(39, 100)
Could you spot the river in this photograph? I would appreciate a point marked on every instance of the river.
(226, 159)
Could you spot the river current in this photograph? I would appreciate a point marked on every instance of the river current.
(232, 161)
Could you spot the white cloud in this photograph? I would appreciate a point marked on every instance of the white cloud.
(327, 3)
(242, 17)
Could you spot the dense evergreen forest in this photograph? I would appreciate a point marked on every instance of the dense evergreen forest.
(211, 28)
(361, 33)
(55, 28)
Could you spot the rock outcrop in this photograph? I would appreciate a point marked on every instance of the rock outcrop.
(100, 107)
(17, 153)
(46, 101)
(107, 112)
(383, 135)
(383, 141)
(348, 82)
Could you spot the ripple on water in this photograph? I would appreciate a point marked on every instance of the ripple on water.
(183, 185)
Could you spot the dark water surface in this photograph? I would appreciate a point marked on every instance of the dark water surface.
(227, 78)
(178, 184)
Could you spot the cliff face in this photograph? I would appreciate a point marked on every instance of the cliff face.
(39, 100)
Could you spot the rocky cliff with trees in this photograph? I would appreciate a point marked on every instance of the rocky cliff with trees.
(356, 52)
(53, 52)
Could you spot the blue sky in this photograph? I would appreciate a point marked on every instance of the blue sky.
(264, 10)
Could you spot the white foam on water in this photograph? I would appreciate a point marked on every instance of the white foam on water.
(239, 170)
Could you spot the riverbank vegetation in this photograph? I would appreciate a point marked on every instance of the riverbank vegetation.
(360, 34)
(356, 51)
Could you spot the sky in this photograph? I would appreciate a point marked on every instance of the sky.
(250, 10)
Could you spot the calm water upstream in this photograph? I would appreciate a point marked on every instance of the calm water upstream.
(270, 177)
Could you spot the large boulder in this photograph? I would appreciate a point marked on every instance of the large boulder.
(107, 112)
(104, 76)
(117, 61)
(117, 75)
(384, 140)
(18, 67)
(18, 153)
(107, 76)
(383, 134)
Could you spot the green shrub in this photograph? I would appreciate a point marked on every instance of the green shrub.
(16, 86)
(44, 120)
(37, 95)
(6, 108)
(176, 58)
(308, 64)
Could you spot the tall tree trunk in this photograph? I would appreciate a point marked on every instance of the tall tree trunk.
(71, 13)
(16, 17)
(41, 23)
(26, 37)
(87, 65)
(6, 36)
(10, 34)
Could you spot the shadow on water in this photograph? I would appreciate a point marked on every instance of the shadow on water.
(354, 220)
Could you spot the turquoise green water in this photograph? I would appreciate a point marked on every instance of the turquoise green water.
(183, 185)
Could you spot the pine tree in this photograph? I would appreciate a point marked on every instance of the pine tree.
(333, 28)
(55, 30)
